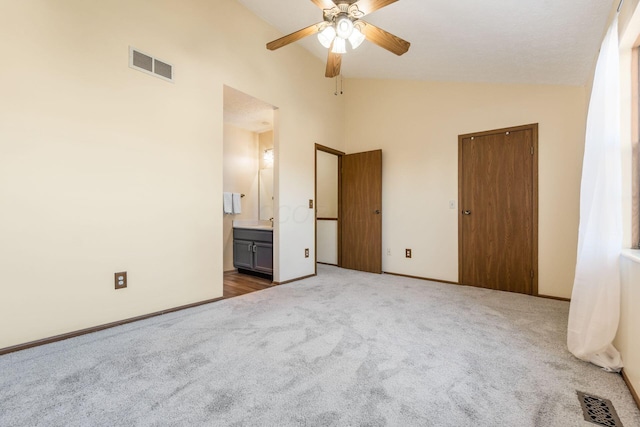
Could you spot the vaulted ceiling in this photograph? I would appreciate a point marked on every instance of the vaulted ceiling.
(506, 41)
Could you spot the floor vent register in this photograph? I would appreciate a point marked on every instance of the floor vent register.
(598, 410)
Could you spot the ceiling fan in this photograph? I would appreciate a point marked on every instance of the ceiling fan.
(342, 22)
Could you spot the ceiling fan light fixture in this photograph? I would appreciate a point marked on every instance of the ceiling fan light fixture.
(326, 36)
(344, 27)
(341, 22)
(356, 38)
(339, 46)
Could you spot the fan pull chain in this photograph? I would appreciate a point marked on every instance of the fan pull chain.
(341, 86)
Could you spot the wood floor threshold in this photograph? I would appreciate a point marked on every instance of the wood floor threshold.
(294, 280)
(93, 329)
(631, 389)
(249, 287)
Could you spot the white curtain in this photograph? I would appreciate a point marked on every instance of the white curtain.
(595, 302)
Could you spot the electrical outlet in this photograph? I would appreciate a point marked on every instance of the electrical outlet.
(310, 204)
(306, 253)
(121, 280)
(407, 253)
(388, 251)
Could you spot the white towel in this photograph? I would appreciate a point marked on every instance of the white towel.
(237, 204)
(227, 204)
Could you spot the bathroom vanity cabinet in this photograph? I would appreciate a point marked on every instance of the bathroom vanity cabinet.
(253, 249)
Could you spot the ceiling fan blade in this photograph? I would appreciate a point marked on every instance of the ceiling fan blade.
(369, 6)
(384, 39)
(324, 4)
(334, 61)
(293, 37)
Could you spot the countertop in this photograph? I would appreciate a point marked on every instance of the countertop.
(253, 224)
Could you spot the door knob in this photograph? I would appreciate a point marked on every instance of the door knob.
(466, 212)
(377, 211)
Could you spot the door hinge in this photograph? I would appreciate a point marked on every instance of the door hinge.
(532, 151)
(532, 274)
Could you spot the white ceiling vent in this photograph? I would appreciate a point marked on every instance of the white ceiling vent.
(148, 64)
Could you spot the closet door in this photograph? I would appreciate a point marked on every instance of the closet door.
(498, 209)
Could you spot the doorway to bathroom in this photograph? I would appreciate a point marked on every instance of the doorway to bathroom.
(249, 165)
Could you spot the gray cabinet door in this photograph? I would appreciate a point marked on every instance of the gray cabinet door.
(263, 257)
(243, 254)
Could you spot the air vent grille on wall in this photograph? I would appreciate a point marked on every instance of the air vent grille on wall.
(150, 65)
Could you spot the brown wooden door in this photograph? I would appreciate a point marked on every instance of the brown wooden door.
(498, 209)
(362, 211)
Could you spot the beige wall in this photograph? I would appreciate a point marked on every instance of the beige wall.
(240, 175)
(416, 124)
(104, 168)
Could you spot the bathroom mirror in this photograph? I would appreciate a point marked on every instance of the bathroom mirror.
(265, 182)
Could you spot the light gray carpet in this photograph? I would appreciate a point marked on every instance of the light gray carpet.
(344, 348)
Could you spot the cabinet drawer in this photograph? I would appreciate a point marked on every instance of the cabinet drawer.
(253, 235)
